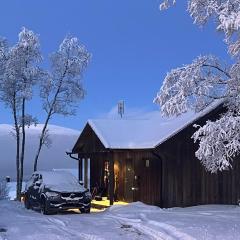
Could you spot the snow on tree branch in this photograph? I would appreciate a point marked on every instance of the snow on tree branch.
(166, 4)
(28, 120)
(196, 85)
(193, 86)
(226, 13)
(19, 72)
(46, 140)
(219, 142)
(61, 88)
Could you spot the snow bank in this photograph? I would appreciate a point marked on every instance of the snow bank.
(12, 189)
(134, 207)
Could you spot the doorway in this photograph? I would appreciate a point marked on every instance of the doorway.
(128, 180)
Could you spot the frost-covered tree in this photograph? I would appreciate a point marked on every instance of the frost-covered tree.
(18, 75)
(195, 86)
(62, 87)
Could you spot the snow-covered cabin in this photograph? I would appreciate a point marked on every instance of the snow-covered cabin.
(153, 161)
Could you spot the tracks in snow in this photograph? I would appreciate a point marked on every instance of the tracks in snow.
(145, 228)
(72, 234)
(153, 229)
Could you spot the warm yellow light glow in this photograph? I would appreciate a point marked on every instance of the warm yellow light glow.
(97, 210)
(99, 206)
(106, 203)
(76, 210)
(116, 168)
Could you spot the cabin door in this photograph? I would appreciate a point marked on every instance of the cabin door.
(128, 180)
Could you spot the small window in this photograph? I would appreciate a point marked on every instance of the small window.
(147, 163)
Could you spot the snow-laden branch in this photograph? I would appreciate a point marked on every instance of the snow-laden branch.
(61, 88)
(226, 13)
(18, 74)
(166, 4)
(219, 142)
(196, 85)
(193, 86)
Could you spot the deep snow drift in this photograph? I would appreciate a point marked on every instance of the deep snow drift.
(62, 138)
(134, 221)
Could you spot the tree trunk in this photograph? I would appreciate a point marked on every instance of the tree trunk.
(23, 144)
(41, 142)
(18, 192)
(47, 120)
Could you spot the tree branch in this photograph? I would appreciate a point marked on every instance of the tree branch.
(218, 68)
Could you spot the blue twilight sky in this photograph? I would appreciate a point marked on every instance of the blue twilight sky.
(133, 45)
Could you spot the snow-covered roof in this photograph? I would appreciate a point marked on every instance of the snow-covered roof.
(143, 133)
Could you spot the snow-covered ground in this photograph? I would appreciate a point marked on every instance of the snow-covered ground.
(12, 189)
(134, 221)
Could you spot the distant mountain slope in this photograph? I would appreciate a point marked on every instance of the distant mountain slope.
(62, 138)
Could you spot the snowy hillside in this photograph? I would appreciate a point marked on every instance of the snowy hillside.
(62, 138)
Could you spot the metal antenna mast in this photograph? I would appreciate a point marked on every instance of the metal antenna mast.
(121, 108)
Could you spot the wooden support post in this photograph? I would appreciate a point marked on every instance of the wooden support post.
(86, 172)
(111, 178)
(80, 170)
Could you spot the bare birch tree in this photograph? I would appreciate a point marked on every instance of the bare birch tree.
(19, 74)
(62, 88)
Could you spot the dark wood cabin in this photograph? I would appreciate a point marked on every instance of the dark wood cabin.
(143, 160)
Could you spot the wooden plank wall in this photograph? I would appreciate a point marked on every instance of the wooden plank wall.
(149, 178)
(186, 182)
(88, 142)
(97, 169)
